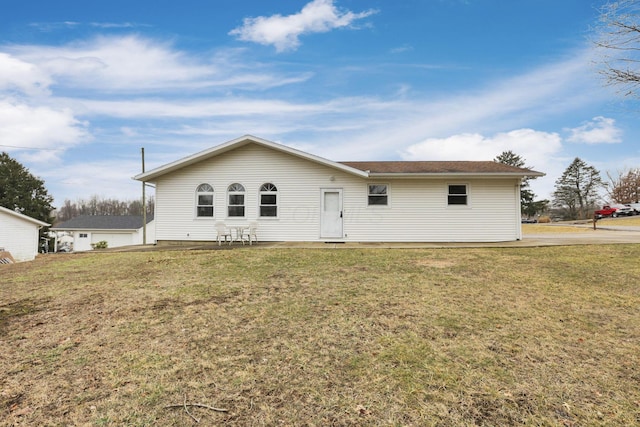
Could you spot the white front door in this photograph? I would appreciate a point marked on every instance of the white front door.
(331, 213)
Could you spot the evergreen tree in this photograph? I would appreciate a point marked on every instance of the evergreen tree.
(527, 204)
(577, 189)
(22, 192)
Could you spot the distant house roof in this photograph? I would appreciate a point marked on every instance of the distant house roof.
(440, 167)
(103, 222)
(23, 217)
(362, 169)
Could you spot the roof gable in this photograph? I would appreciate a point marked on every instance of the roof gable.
(153, 174)
(23, 217)
(104, 222)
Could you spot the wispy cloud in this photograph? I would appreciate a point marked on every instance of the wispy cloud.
(54, 26)
(402, 49)
(600, 130)
(283, 32)
(134, 64)
(70, 25)
(109, 25)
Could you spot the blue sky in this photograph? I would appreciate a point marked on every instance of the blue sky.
(84, 85)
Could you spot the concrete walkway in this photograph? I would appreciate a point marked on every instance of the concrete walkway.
(583, 235)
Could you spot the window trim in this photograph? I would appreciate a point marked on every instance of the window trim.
(273, 192)
(197, 201)
(387, 195)
(230, 193)
(466, 195)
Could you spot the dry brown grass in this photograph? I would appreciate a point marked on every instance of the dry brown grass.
(580, 227)
(552, 228)
(633, 221)
(374, 337)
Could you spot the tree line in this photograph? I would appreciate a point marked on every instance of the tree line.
(97, 205)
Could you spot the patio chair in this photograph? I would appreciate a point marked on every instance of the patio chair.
(250, 233)
(223, 233)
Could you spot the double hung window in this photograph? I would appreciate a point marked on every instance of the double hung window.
(458, 194)
(235, 207)
(204, 201)
(268, 200)
(378, 195)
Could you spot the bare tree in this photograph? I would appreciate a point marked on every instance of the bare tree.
(624, 188)
(100, 206)
(618, 39)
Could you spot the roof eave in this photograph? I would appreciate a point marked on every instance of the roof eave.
(452, 175)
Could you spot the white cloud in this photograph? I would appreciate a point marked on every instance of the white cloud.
(528, 143)
(114, 24)
(118, 63)
(284, 32)
(23, 76)
(600, 130)
(25, 126)
(136, 64)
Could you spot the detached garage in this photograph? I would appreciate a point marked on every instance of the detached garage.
(19, 234)
(116, 230)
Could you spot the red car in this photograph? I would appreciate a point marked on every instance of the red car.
(613, 211)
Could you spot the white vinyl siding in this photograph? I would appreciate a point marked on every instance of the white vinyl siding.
(419, 212)
(19, 236)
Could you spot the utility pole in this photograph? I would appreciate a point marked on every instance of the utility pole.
(144, 206)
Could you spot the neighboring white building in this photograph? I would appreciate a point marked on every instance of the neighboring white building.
(116, 230)
(19, 234)
(296, 196)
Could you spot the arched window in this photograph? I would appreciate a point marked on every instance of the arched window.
(236, 200)
(268, 200)
(204, 200)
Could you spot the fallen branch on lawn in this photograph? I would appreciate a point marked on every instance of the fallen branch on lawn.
(186, 406)
(198, 405)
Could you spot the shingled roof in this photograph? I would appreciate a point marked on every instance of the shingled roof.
(103, 222)
(440, 167)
